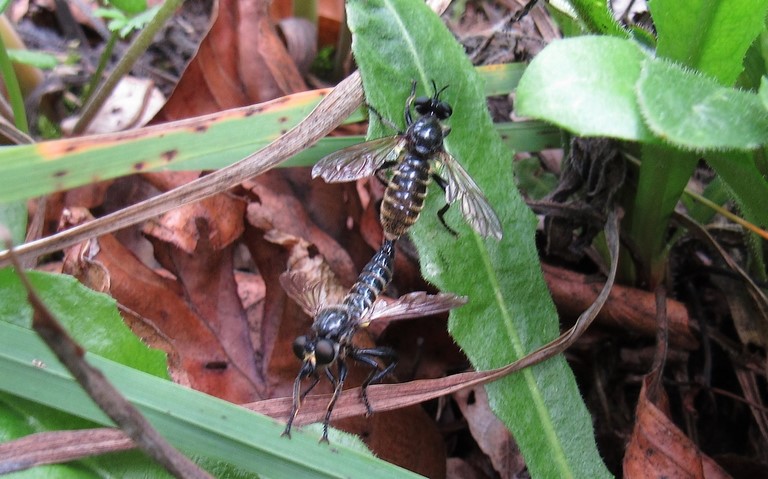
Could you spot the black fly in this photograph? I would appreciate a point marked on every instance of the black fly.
(329, 341)
(410, 157)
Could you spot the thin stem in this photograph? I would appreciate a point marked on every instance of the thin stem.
(105, 55)
(14, 92)
(140, 44)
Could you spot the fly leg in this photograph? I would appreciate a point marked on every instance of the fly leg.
(409, 104)
(297, 398)
(441, 213)
(337, 385)
(378, 373)
(383, 120)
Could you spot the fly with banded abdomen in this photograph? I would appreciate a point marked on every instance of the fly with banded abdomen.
(411, 157)
(329, 343)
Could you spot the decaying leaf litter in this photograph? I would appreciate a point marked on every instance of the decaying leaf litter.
(215, 277)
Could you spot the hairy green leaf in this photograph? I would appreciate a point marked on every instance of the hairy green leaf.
(695, 112)
(510, 312)
(587, 86)
(597, 17)
(91, 318)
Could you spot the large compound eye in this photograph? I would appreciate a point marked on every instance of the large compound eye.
(443, 110)
(325, 352)
(300, 346)
(423, 105)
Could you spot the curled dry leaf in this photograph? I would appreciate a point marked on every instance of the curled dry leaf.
(180, 227)
(658, 448)
(300, 36)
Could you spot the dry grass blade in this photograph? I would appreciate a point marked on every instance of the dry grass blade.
(106, 396)
(60, 446)
(385, 397)
(329, 113)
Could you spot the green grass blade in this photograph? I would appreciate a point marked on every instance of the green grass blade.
(711, 36)
(510, 311)
(194, 422)
(208, 142)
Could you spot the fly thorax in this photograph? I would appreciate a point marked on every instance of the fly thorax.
(426, 135)
(329, 322)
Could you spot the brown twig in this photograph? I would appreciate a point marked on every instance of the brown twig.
(56, 447)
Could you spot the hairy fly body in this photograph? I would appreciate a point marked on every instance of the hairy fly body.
(328, 345)
(411, 159)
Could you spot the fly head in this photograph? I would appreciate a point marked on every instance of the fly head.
(433, 105)
(314, 353)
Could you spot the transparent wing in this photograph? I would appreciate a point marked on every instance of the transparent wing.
(311, 295)
(358, 161)
(475, 208)
(414, 305)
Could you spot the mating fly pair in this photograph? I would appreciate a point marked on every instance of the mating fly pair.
(410, 157)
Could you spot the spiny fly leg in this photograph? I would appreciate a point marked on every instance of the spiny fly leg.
(338, 384)
(441, 213)
(378, 373)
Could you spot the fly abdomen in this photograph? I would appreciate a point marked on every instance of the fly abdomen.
(372, 280)
(404, 196)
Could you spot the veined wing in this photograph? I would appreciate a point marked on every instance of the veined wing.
(475, 208)
(311, 295)
(359, 161)
(414, 305)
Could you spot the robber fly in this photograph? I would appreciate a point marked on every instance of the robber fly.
(329, 341)
(410, 156)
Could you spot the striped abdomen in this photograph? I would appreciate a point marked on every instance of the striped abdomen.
(404, 196)
(373, 279)
(341, 320)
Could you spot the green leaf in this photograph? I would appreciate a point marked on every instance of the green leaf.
(664, 173)
(510, 312)
(91, 318)
(131, 7)
(597, 17)
(196, 423)
(37, 59)
(711, 36)
(696, 113)
(587, 86)
(763, 92)
(13, 215)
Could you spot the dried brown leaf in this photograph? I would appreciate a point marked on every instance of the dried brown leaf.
(239, 62)
(658, 448)
(490, 433)
(196, 350)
